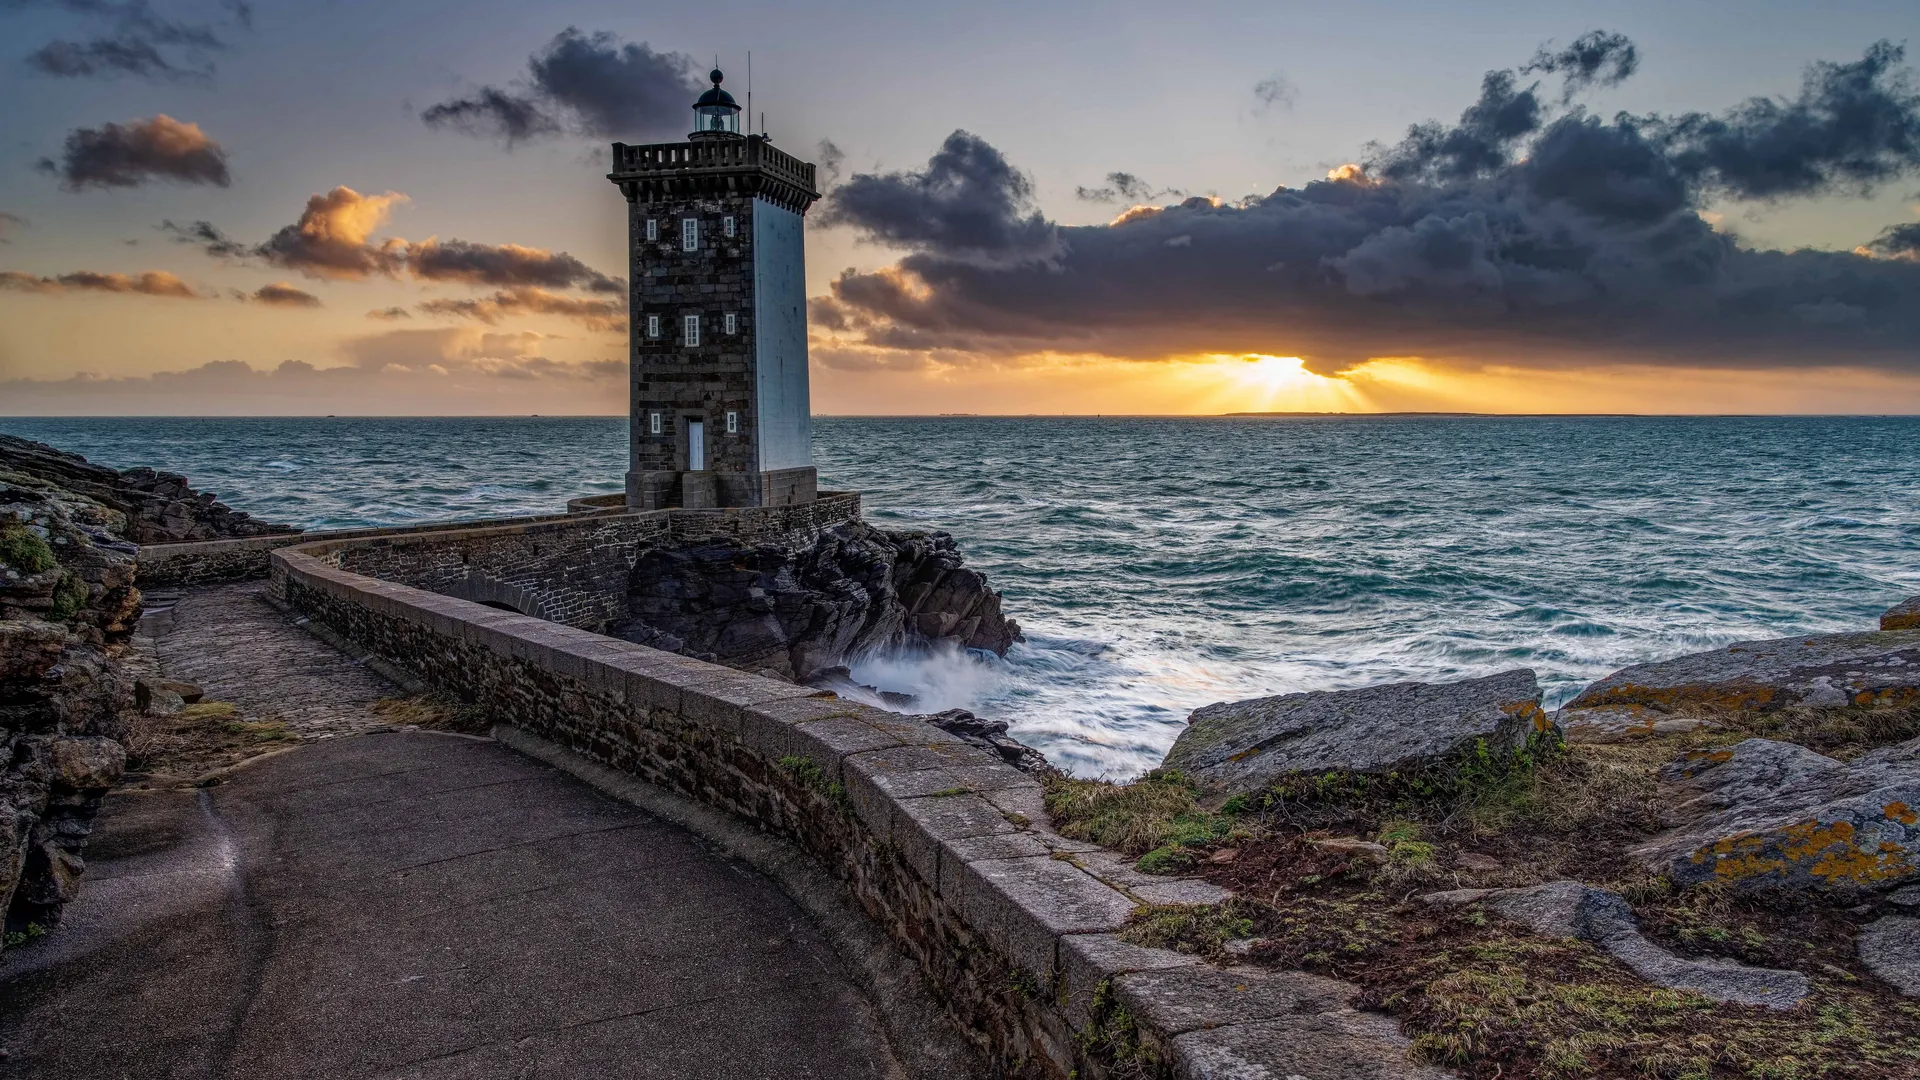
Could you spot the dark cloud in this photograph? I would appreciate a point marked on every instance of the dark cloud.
(150, 283)
(205, 236)
(1523, 235)
(968, 203)
(1484, 141)
(281, 294)
(1897, 242)
(830, 158)
(585, 84)
(1126, 187)
(493, 111)
(10, 224)
(136, 41)
(129, 155)
(1852, 127)
(505, 264)
(1276, 91)
(1596, 58)
(607, 315)
(392, 314)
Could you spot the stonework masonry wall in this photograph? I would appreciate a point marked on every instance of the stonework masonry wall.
(206, 562)
(568, 568)
(706, 381)
(943, 844)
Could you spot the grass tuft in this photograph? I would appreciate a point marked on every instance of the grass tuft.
(1156, 819)
(24, 550)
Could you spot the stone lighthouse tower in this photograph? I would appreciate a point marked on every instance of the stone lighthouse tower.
(719, 317)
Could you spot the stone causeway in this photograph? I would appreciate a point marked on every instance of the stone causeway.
(942, 845)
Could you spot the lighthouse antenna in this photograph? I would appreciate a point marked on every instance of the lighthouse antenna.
(749, 87)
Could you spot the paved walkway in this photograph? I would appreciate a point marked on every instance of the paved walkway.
(416, 905)
(228, 641)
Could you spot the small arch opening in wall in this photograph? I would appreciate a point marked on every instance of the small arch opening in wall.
(487, 592)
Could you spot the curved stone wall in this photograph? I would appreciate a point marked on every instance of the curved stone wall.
(943, 844)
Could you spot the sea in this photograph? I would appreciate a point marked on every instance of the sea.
(1157, 565)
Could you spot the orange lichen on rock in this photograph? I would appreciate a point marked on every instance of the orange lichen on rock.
(1672, 698)
(1826, 852)
(1902, 813)
(1532, 713)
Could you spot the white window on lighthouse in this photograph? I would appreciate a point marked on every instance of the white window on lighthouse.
(693, 330)
(653, 230)
(653, 326)
(689, 234)
(727, 223)
(733, 325)
(653, 423)
(733, 423)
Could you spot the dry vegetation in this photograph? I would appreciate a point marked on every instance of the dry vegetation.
(196, 745)
(1487, 998)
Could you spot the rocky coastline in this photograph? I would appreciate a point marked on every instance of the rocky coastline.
(69, 532)
(1704, 866)
(1737, 830)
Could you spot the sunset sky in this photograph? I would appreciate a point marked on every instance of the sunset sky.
(400, 208)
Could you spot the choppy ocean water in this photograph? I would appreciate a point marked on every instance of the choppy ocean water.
(1162, 564)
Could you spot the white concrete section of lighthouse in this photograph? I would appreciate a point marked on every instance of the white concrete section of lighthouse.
(785, 429)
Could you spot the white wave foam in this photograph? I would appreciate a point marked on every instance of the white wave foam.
(941, 678)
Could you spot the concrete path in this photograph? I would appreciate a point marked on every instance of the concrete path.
(420, 905)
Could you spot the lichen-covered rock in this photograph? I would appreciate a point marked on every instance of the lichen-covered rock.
(1570, 909)
(1816, 671)
(67, 601)
(1890, 948)
(800, 613)
(1904, 615)
(1770, 815)
(1248, 746)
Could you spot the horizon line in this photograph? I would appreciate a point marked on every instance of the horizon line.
(989, 416)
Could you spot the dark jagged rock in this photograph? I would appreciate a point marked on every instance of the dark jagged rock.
(991, 735)
(66, 602)
(857, 589)
(158, 507)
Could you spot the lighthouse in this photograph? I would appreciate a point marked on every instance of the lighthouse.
(718, 327)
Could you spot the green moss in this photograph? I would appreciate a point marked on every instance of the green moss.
(810, 776)
(33, 932)
(24, 550)
(68, 597)
(1113, 1039)
(1201, 929)
(1155, 819)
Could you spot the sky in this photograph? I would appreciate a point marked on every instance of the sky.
(240, 208)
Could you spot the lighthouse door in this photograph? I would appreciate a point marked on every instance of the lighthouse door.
(696, 446)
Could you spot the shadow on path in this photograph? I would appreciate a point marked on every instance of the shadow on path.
(421, 905)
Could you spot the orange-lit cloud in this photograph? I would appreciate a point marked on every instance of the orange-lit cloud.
(150, 283)
(331, 238)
